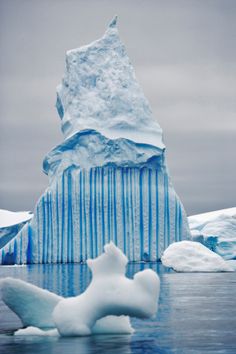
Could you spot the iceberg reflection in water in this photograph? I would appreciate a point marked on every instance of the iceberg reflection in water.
(196, 314)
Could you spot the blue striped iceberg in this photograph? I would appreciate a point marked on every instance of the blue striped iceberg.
(108, 180)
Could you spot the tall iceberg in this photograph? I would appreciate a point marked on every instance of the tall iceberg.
(108, 180)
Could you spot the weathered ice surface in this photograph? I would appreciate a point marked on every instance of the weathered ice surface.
(190, 256)
(216, 230)
(108, 180)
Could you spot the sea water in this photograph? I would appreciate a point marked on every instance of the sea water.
(197, 314)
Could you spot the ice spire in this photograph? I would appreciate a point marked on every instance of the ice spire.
(99, 91)
(113, 22)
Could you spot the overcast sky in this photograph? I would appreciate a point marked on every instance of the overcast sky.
(184, 55)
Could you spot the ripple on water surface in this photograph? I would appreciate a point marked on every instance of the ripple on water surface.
(197, 314)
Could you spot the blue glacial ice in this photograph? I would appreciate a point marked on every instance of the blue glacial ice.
(216, 230)
(108, 180)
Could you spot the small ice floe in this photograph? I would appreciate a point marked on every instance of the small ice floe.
(189, 256)
(104, 307)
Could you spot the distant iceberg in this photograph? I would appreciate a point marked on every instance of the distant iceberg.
(216, 230)
(11, 223)
(108, 180)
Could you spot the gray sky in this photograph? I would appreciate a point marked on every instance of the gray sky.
(184, 55)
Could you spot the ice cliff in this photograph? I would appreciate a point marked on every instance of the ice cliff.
(108, 180)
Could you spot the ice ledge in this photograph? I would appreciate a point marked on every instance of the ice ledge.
(88, 148)
(10, 218)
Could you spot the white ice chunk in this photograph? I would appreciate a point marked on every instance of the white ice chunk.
(102, 308)
(189, 256)
(35, 331)
(106, 325)
(110, 293)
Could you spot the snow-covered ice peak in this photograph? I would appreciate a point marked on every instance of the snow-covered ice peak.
(102, 308)
(100, 91)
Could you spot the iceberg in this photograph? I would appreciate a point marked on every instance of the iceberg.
(190, 256)
(11, 223)
(102, 308)
(108, 179)
(216, 230)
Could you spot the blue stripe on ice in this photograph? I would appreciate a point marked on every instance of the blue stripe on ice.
(126, 216)
(141, 211)
(91, 213)
(30, 246)
(150, 213)
(108, 179)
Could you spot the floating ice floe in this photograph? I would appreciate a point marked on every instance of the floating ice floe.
(11, 218)
(190, 256)
(103, 308)
(216, 230)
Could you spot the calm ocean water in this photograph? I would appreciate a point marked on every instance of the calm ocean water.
(197, 314)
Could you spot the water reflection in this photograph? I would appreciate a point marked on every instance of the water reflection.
(197, 314)
(92, 344)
